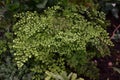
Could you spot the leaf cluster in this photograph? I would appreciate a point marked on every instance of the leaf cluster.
(62, 76)
(9, 71)
(58, 38)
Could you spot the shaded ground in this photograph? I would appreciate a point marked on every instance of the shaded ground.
(107, 63)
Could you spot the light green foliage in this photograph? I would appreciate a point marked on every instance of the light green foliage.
(62, 76)
(58, 38)
(116, 69)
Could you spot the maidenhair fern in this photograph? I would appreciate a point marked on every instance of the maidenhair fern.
(57, 39)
